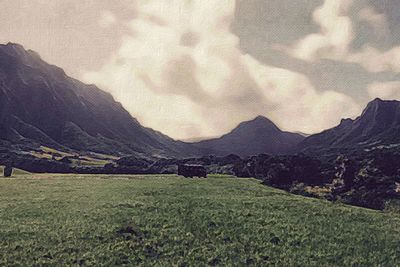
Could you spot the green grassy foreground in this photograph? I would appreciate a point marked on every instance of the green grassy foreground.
(67, 220)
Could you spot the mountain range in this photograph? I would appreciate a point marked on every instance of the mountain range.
(41, 106)
(377, 126)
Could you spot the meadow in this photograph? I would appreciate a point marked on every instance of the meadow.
(166, 220)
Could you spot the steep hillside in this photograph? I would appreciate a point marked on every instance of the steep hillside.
(40, 104)
(378, 125)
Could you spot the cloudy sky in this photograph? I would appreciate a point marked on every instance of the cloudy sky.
(196, 68)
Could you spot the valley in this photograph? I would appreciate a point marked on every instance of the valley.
(200, 133)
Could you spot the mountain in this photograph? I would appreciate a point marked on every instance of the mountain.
(378, 125)
(257, 136)
(41, 105)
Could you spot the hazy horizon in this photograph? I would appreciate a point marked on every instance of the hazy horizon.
(196, 69)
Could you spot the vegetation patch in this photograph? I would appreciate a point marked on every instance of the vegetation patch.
(165, 220)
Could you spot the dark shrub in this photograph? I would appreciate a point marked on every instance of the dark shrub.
(133, 161)
(282, 171)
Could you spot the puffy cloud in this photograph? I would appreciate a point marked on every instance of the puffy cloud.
(377, 20)
(107, 19)
(297, 105)
(337, 20)
(376, 61)
(371, 58)
(181, 71)
(387, 90)
(335, 36)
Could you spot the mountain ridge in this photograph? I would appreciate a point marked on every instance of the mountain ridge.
(41, 105)
(378, 124)
(265, 137)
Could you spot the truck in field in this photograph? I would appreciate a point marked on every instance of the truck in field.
(191, 170)
(8, 170)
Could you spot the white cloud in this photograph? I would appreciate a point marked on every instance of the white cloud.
(107, 19)
(181, 72)
(335, 34)
(386, 90)
(372, 59)
(376, 61)
(298, 106)
(377, 20)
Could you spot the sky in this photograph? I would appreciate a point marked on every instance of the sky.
(197, 68)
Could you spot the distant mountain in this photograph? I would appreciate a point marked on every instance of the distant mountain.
(41, 105)
(197, 139)
(378, 125)
(257, 136)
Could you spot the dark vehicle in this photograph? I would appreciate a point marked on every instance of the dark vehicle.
(8, 171)
(192, 171)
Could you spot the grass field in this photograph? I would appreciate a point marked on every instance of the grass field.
(67, 220)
